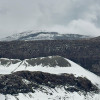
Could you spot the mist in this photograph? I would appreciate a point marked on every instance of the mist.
(63, 16)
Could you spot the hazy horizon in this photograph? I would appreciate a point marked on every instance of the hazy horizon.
(63, 16)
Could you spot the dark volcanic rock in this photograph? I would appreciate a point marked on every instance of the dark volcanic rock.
(52, 61)
(8, 61)
(15, 83)
(12, 84)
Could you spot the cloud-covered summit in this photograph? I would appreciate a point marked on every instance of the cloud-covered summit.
(65, 16)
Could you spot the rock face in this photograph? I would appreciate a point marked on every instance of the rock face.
(49, 61)
(26, 81)
(84, 52)
(8, 61)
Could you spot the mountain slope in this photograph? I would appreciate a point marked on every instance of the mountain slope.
(84, 52)
(31, 35)
(39, 79)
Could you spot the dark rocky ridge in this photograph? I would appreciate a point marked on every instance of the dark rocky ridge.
(14, 84)
(84, 52)
(52, 61)
(8, 61)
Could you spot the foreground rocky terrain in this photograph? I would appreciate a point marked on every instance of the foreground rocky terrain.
(39, 79)
(26, 81)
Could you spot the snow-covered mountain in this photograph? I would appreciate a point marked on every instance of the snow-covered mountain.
(47, 78)
(38, 35)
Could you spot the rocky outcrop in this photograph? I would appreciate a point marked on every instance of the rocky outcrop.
(52, 61)
(26, 81)
(5, 61)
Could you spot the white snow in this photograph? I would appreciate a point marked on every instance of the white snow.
(26, 81)
(44, 36)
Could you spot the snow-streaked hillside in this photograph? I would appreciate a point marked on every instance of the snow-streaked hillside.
(17, 36)
(54, 65)
(58, 94)
(38, 35)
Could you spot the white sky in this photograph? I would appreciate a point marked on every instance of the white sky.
(64, 16)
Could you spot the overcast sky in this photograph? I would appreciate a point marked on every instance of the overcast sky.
(64, 16)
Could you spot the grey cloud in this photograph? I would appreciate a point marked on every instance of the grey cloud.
(65, 16)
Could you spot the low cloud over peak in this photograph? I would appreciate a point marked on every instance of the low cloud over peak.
(64, 16)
